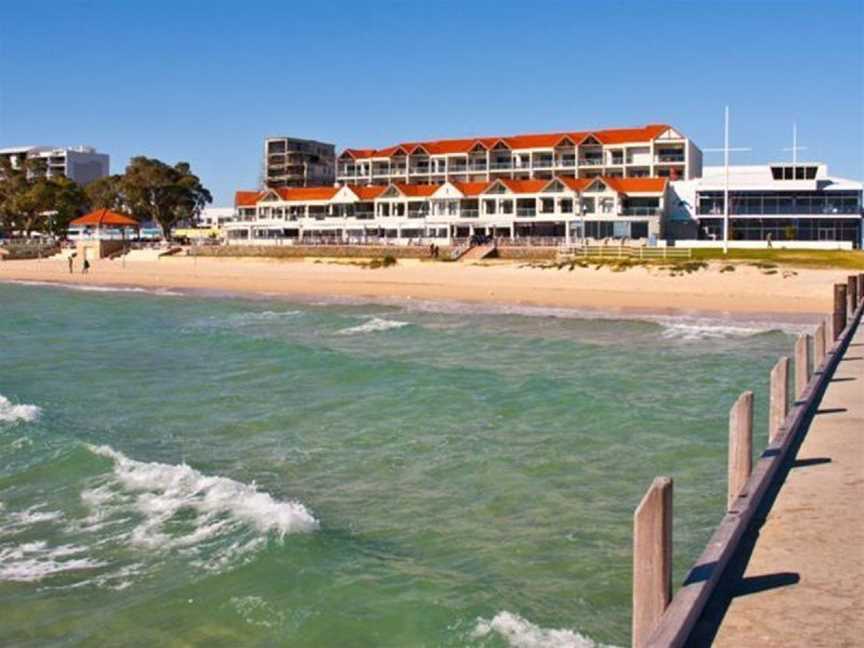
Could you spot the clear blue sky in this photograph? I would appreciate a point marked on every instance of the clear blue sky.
(207, 81)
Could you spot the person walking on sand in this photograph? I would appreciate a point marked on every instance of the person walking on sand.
(86, 267)
(70, 263)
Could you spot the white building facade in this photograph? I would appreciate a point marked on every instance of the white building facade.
(655, 150)
(83, 164)
(779, 203)
(561, 209)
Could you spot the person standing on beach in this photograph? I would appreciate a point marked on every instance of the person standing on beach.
(70, 263)
(86, 267)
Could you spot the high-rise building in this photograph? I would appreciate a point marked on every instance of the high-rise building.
(81, 163)
(293, 162)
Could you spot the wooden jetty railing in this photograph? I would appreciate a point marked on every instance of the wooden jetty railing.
(662, 621)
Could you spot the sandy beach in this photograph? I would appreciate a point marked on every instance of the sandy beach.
(747, 290)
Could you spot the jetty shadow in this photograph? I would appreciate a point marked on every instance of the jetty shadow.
(733, 583)
(814, 461)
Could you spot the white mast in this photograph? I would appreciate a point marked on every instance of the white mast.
(795, 148)
(726, 151)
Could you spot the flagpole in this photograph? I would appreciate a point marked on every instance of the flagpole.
(726, 185)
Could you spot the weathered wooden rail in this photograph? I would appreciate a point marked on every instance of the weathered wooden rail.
(663, 621)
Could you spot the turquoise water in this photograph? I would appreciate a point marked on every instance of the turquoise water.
(220, 471)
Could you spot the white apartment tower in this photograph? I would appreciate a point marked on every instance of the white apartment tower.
(81, 163)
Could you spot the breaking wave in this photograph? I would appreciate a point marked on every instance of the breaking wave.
(684, 330)
(183, 508)
(33, 561)
(520, 633)
(374, 325)
(10, 413)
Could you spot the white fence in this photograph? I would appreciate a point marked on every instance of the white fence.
(763, 245)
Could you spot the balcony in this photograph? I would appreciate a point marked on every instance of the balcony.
(423, 170)
(567, 161)
(469, 213)
(501, 164)
(457, 167)
(640, 211)
(526, 212)
(591, 161)
(543, 163)
(670, 157)
(477, 165)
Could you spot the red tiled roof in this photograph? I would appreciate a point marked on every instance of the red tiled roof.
(538, 140)
(102, 217)
(416, 190)
(524, 186)
(367, 192)
(471, 188)
(636, 185)
(356, 154)
(576, 184)
(307, 193)
(247, 198)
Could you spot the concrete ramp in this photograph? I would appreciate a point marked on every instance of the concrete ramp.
(478, 252)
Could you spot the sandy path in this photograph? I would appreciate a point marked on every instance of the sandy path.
(747, 290)
(815, 532)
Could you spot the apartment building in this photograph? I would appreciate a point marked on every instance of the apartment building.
(780, 202)
(293, 162)
(563, 208)
(81, 163)
(655, 150)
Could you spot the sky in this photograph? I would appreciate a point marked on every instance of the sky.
(206, 82)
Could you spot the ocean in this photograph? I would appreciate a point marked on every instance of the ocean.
(178, 469)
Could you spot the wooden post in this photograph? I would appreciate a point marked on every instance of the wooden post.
(861, 287)
(802, 364)
(852, 293)
(839, 310)
(652, 559)
(778, 407)
(819, 345)
(740, 446)
(829, 333)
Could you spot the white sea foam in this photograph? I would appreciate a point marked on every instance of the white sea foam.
(520, 633)
(685, 330)
(10, 413)
(257, 612)
(97, 287)
(374, 325)
(264, 316)
(165, 494)
(33, 561)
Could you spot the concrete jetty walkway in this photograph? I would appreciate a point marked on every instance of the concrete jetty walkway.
(804, 582)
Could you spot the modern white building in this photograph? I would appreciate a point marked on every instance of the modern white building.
(561, 209)
(215, 216)
(777, 202)
(655, 150)
(81, 163)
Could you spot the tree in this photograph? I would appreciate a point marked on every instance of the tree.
(30, 201)
(166, 194)
(66, 199)
(106, 193)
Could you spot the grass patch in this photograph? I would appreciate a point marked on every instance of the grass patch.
(846, 259)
